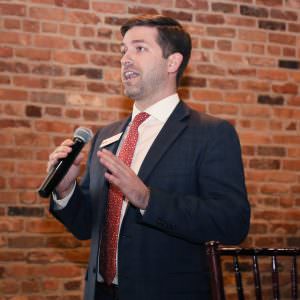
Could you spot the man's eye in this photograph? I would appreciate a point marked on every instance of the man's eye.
(140, 48)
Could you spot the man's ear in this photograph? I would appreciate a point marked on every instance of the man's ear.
(174, 62)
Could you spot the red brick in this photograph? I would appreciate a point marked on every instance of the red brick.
(73, 113)
(10, 224)
(261, 61)
(142, 10)
(51, 42)
(55, 127)
(87, 32)
(180, 16)
(49, 28)
(16, 38)
(207, 95)
(222, 58)
(286, 113)
(165, 3)
(50, 285)
(12, 24)
(79, 4)
(218, 109)
(241, 22)
(14, 109)
(106, 60)
(67, 30)
(292, 165)
(253, 35)
(33, 54)
(6, 51)
(282, 39)
(44, 226)
(221, 32)
(43, 13)
(286, 139)
(6, 94)
(70, 57)
(288, 88)
(12, 9)
(273, 75)
(284, 14)
(8, 286)
(270, 2)
(63, 84)
(289, 52)
(53, 111)
(208, 44)
(24, 182)
(258, 49)
(82, 18)
(31, 26)
(240, 97)
(109, 7)
(62, 271)
(30, 167)
(210, 18)
(30, 82)
(192, 4)
(21, 270)
(262, 86)
(250, 72)
(294, 27)
(223, 84)
(104, 88)
(251, 138)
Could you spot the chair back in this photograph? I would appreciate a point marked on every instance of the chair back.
(215, 252)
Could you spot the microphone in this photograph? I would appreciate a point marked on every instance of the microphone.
(81, 137)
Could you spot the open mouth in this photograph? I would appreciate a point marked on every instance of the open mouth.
(128, 75)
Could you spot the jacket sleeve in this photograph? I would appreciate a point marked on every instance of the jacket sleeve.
(220, 210)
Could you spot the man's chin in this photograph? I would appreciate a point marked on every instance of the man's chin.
(132, 93)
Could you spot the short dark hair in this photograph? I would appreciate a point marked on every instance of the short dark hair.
(171, 36)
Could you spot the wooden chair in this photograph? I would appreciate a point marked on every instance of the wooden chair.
(215, 251)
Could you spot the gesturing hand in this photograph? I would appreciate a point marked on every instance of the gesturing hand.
(125, 179)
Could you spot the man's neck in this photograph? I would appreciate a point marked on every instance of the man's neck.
(143, 104)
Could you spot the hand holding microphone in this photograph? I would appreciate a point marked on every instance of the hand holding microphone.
(64, 164)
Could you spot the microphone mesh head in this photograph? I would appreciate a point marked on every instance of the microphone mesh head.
(85, 134)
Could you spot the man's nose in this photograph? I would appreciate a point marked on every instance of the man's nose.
(126, 60)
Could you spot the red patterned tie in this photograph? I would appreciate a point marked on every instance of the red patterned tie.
(108, 248)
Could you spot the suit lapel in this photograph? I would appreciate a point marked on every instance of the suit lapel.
(168, 134)
(102, 185)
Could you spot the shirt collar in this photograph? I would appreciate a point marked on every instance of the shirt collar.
(160, 110)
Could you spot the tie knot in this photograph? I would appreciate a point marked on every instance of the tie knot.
(139, 119)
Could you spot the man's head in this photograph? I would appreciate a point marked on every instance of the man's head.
(171, 37)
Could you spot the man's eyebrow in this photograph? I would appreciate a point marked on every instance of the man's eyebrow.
(133, 42)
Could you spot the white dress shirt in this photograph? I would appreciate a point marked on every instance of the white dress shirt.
(148, 131)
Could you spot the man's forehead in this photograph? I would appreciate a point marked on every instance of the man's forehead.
(144, 34)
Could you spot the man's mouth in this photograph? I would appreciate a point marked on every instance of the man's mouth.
(128, 75)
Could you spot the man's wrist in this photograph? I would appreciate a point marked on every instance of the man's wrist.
(63, 194)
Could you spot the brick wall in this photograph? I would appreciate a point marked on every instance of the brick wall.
(59, 68)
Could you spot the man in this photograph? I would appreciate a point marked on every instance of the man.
(189, 188)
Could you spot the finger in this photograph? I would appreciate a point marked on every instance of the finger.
(67, 142)
(78, 159)
(60, 152)
(116, 165)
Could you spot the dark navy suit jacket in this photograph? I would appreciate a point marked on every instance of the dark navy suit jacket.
(195, 175)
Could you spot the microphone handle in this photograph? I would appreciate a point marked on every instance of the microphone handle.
(57, 173)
